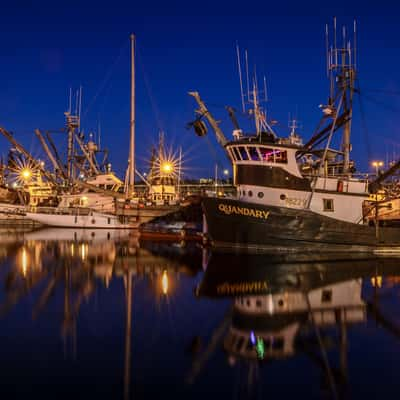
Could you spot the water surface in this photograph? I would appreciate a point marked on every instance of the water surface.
(98, 314)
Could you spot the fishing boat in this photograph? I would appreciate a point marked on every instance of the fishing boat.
(78, 217)
(293, 196)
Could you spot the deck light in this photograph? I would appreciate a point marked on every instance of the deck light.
(167, 167)
(26, 174)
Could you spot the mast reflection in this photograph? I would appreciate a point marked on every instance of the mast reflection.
(76, 262)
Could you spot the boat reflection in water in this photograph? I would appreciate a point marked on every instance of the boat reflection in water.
(281, 310)
(76, 262)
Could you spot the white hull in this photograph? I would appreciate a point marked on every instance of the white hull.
(77, 234)
(94, 221)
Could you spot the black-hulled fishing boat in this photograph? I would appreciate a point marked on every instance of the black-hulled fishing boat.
(293, 196)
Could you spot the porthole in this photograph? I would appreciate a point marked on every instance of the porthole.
(260, 195)
(250, 193)
(282, 196)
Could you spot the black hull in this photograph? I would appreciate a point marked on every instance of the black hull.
(234, 224)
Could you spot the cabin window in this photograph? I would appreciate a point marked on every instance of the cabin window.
(258, 303)
(243, 153)
(109, 221)
(281, 156)
(250, 193)
(326, 296)
(267, 154)
(260, 195)
(235, 153)
(253, 153)
(328, 204)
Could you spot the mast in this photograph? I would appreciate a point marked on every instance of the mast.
(131, 176)
(342, 73)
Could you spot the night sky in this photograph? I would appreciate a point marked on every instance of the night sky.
(48, 47)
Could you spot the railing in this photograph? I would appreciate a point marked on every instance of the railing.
(62, 210)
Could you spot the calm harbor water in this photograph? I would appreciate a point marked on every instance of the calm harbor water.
(101, 315)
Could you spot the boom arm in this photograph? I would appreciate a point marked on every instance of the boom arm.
(56, 165)
(28, 155)
(222, 140)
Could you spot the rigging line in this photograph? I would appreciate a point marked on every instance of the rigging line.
(382, 104)
(213, 153)
(388, 92)
(149, 90)
(364, 124)
(106, 79)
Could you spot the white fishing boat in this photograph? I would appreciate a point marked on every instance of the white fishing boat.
(78, 217)
(293, 196)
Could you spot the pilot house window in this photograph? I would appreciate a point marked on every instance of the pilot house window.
(328, 204)
(253, 153)
(243, 153)
(267, 154)
(281, 157)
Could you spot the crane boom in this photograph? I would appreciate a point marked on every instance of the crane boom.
(56, 165)
(222, 140)
(28, 155)
(93, 166)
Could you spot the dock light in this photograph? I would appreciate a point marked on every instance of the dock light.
(26, 174)
(377, 164)
(167, 167)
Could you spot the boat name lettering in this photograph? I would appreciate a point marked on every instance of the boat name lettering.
(242, 287)
(228, 209)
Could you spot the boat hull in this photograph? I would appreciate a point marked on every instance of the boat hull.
(235, 224)
(93, 221)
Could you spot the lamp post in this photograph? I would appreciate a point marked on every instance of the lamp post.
(377, 164)
(226, 173)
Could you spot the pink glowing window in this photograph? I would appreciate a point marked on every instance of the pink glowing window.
(267, 154)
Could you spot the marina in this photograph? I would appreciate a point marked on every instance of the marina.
(199, 205)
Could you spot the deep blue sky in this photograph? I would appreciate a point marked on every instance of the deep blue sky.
(48, 47)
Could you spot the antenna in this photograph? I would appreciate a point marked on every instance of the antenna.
(344, 36)
(70, 101)
(334, 36)
(265, 89)
(240, 77)
(79, 108)
(99, 134)
(355, 43)
(247, 74)
(327, 50)
(76, 101)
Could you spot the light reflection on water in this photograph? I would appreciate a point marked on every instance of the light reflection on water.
(89, 314)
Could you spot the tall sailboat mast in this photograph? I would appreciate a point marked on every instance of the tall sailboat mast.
(131, 176)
